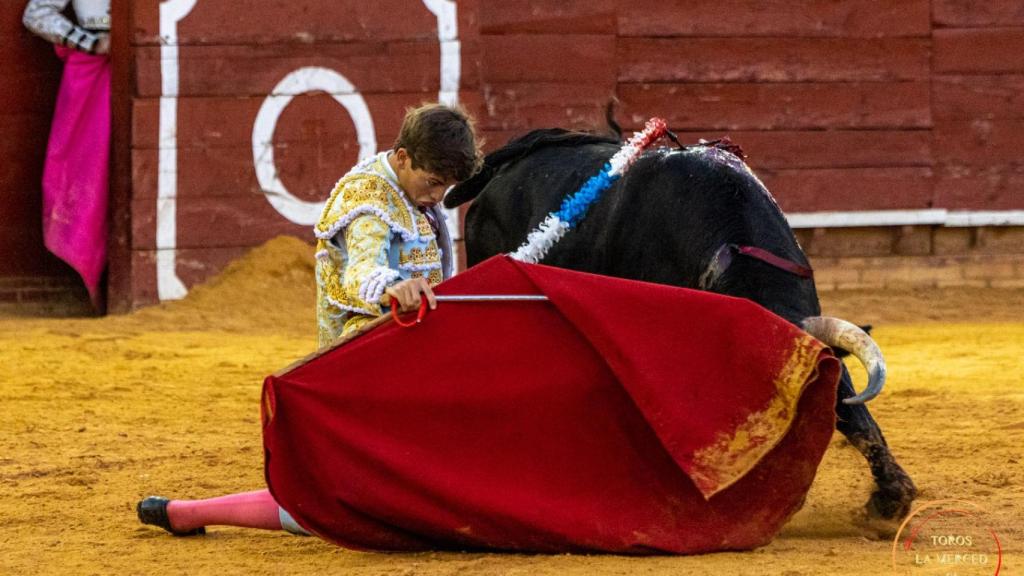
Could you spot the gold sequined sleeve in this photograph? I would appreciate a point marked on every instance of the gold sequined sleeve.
(367, 241)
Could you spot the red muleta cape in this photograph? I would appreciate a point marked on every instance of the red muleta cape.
(621, 417)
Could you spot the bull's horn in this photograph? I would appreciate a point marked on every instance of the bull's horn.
(846, 336)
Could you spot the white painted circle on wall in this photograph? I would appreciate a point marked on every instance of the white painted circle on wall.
(301, 81)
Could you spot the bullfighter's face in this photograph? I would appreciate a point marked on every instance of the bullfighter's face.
(423, 188)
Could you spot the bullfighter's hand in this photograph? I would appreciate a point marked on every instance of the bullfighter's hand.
(407, 293)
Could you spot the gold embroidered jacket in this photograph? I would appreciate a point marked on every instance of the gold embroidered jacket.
(370, 236)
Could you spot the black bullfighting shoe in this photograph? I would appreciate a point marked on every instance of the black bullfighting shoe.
(153, 511)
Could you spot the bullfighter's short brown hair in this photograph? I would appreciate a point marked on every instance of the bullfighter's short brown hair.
(441, 139)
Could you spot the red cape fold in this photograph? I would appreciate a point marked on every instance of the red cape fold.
(621, 417)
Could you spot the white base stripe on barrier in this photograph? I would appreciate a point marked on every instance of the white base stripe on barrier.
(928, 217)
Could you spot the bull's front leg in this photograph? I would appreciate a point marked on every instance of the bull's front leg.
(895, 490)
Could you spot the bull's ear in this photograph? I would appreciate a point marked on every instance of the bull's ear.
(453, 198)
(469, 189)
(609, 117)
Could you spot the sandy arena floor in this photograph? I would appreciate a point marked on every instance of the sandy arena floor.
(96, 413)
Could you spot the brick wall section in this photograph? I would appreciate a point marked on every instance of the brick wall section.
(915, 257)
(42, 289)
(896, 272)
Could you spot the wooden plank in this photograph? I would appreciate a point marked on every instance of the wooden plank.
(494, 139)
(968, 14)
(308, 167)
(528, 105)
(985, 191)
(142, 290)
(400, 66)
(469, 18)
(850, 188)
(980, 143)
(796, 106)
(31, 93)
(21, 235)
(26, 256)
(145, 165)
(215, 221)
(10, 18)
(23, 51)
(969, 97)
(313, 164)
(828, 148)
(24, 173)
(193, 266)
(802, 149)
(144, 22)
(218, 221)
(30, 73)
(569, 58)
(547, 16)
(978, 51)
(119, 270)
(290, 21)
(584, 116)
(308, 171)
(22, 209)
(812, 18)
(812, 149)
(24, 140)
(218, 122)
(33, 180)
(772, 59)
(227, 121)
(20, 244)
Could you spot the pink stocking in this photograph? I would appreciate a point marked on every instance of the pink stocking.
(256, 509)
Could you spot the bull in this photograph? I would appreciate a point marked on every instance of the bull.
(695, 217)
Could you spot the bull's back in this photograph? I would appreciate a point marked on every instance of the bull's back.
(662, 222)
(521, 194)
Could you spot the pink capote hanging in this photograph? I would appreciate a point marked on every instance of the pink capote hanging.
(75, 178)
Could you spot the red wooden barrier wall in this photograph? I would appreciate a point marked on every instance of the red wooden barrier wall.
(29, 76)
(978, 104)
(854, 105)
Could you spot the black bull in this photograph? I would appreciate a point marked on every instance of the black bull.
(667, 220)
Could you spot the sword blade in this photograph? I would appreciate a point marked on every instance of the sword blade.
(492, 298)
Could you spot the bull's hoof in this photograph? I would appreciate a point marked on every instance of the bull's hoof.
(892, 502)
(885, 508)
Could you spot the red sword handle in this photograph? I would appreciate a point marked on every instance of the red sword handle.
(419, 315)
